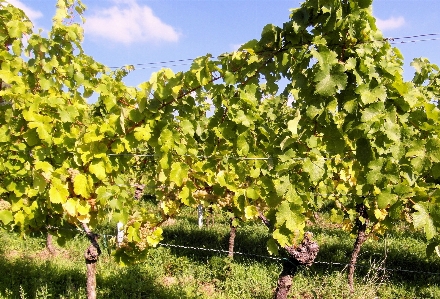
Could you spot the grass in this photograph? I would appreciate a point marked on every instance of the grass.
(28, 271)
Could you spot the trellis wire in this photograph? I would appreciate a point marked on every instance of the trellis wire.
(220, 251)
(179, 62)
(222, 157)
(279, 259)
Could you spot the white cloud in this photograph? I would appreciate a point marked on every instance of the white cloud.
(390, 23)
(31, 13)
(128, 22)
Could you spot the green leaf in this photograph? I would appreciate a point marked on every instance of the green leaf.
(39, 183)
(433, 247)
(133, 234)
(19, 218)
(187, 127)
(386, 199)
(330, 80)
(16, 47)
(179, 173)
(68, 114)
(364, 154)
(243, 118)
(242, 145)
(185, 196)
(364, 3)
(166, 139)
(31, 137)
(103, 194)
(272, 247)
(290, 216)
(369, 96)
(315, 169)
(229, 78)
(373, 112)
(337, 216)
(16, 28)
(248, 95)
(422, 219)
(433, 149)
(282, 236)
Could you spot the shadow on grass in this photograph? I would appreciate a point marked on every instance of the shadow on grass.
(250, 240)
(25, 278)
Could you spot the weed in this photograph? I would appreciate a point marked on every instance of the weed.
(22, 293)
(43, 292)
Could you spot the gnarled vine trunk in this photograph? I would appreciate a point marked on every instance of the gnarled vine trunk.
(285, 280)
(91, 256)
(49, 244)
(362, 236)
(303, 254)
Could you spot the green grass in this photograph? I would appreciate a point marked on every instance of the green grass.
(28, 271)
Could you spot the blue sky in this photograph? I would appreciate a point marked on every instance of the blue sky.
(122, 32)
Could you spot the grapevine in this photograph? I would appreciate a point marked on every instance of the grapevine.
(347, 131)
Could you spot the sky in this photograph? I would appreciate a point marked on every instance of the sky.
(145, 33)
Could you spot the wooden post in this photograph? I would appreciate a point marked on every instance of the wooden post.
(120, 233)
(200, 215)
(232, 233)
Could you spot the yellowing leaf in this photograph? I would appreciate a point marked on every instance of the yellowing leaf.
(155, 237)
(44, 166)
(342, 188)
(184, 196)
(70, 207)
(380, 214)
(19, 217)
(6, 216)
(376, 191)
(133, 234)
(83, 218)
(83, 208)
(98, 169)
(58, 192)
(142, 133)
(80, 186)
(292, 124)
(251, 212)
(252, 193)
